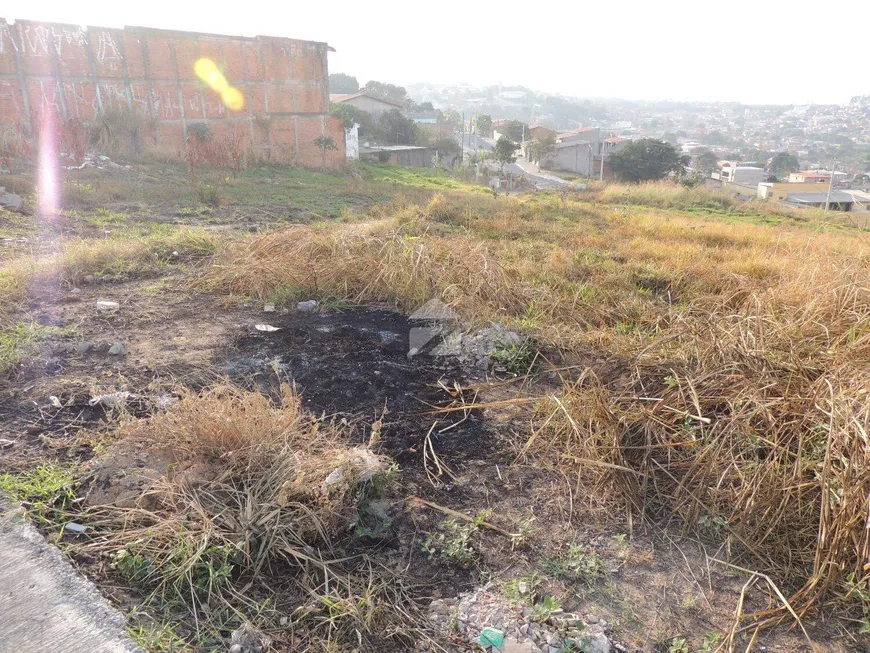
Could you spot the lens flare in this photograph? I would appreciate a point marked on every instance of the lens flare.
(47, 183)
(233, 98)
(211, 76)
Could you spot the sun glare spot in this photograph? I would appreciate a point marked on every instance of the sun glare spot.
(211, 76)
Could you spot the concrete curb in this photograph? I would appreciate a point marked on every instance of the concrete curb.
(45, 604)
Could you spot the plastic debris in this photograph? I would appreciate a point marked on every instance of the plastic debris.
(112, 400)
(309, 305)
(164, 402)
(491, 637)
(268, 308)
(268, 328)
(74, 527)
(55, 402)
(106, 305)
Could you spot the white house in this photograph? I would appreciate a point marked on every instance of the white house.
(372, 104)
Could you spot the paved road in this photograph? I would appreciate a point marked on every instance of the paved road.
(45, 605)
(472, 143)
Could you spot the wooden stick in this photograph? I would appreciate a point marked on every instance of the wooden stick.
(457, 515)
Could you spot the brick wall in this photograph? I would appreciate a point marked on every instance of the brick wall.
(80, 73)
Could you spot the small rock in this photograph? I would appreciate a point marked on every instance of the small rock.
(106, 306)
(32, 429)
(88, 278)
(309, 305)
(511, 645)
(117, 349)
(593, 643)
(10, 201)
(102, 347)
(83, 348)
(554, 639)
(74, 527)
(246, 639)
(268, 308)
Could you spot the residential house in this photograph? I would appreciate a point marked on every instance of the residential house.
(536, 132)
(817, 177)
(743, 175)
(781, 190)
(423, 117)
(410, 156)
(377, 106)
(576, 151)
(836, 200)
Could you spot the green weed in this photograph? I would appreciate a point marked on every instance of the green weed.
(46, 491)
(575, 564)
(452, 543)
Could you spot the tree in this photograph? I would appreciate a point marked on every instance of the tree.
(514, 130)
(395, 129)
(353, 115)
(483, 124)
(706, 162)
(341, 83)
(715, 137)
(670, 137)
(505, 151)
(647, 159)
(451, 117)
(448, 149)
(325, 144)
(387, 91)
(541, 148)
(783, 163)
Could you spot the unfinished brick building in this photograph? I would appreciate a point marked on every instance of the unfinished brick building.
(80, 73)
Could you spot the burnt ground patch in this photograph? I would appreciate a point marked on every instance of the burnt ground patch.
(353, 365)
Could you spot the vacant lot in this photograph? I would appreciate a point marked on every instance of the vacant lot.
(647, 406)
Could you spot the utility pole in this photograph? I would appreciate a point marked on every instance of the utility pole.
(601, 164)
(830, 186)
(462, 145)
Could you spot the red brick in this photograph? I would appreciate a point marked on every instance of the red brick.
(160, 57)
(309, 100)
(185, 56)
(253, 62)
(165, 100)
(276, 61)
(11, 102)
(107, 47)
(81, 100)
(8, 47)
(234, 62)
(280, 99)
(133, 55)
(114, 96)
(193, 108)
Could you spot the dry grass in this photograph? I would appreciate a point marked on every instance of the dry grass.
(255, 488)
(110, 258)
(741, 406)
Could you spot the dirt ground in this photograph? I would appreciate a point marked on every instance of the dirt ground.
(351, 364)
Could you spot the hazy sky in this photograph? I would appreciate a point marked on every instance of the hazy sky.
(758, 51)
